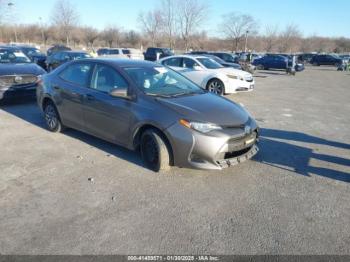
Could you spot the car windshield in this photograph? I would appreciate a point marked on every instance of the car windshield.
(161, 81)
(31, 51)
(168, 51)
(217, 59)
(13, 56)
(209, 63)
(76, 56)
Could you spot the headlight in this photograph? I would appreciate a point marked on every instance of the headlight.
(232, 76)
(198, 126)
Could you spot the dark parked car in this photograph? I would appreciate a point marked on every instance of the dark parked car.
(34, 54)
(306, 57)
(143, 105)
(318, 60)
(18, 75)
(276, 62)
(62, 57)
(271, 62)
(151, 53)
(227, 57)
(57, 48)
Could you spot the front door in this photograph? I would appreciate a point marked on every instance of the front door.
(105, 116)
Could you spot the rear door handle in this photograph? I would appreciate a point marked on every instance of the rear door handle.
(56, 87)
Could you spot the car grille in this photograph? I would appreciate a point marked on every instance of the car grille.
(241, 143)
(17, 80)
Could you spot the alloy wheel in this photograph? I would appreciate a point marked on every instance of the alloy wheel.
(216, 87)
(51, 116)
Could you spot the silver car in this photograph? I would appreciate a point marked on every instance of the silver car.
(145, 106)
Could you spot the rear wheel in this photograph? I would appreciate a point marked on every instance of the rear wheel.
(216, 86)
(52, 118)
(154, 151)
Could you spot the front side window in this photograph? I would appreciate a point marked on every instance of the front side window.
(172, 62)
(189, 63)
(105, 79)
(162, 81)
(77, 74)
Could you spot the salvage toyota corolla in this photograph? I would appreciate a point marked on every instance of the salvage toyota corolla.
(143, 105)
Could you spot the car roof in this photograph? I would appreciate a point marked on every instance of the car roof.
(121, 62)
(188, 56)
(72, 52)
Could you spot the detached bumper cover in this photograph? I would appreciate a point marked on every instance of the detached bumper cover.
(219, 150)
(236, 160)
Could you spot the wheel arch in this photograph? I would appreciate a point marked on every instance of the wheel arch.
(147, 126)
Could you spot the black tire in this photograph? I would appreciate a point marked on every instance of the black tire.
(154, 151)
(52, 118)
(216, 86)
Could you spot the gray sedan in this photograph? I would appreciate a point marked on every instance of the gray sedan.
(144, 106)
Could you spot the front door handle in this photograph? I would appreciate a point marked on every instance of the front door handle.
(89, 97)
(56, 87)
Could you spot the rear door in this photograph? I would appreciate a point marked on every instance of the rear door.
(70, 88)
(105, 116)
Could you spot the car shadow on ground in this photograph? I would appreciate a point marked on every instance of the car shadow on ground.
(29, 112)
(279, 153)
(272, 72)
(283, 154)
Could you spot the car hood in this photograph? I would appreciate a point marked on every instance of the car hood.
(207, 107)
(233, 71)
(21, 69)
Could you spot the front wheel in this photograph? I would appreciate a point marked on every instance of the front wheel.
(52, 118)
(216, 86)
(154, 151)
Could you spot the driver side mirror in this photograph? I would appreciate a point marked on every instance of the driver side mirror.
(119, 92)
(197, 68)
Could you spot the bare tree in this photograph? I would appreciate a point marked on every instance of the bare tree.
(65, 17)
(235, 26)
(132, 38)
(168, 19)
(290, 39)
(90, 34)
(151, 23)
(191, 14)
(111, 35)
(270, 38)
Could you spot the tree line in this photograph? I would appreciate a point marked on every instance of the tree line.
(177, 24)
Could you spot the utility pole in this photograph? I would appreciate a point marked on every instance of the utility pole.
(11, 6)
(42, 31)
(246, 41)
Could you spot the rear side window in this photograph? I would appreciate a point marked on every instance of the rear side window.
(77, 73)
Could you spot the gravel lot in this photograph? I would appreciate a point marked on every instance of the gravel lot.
(292, 198)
